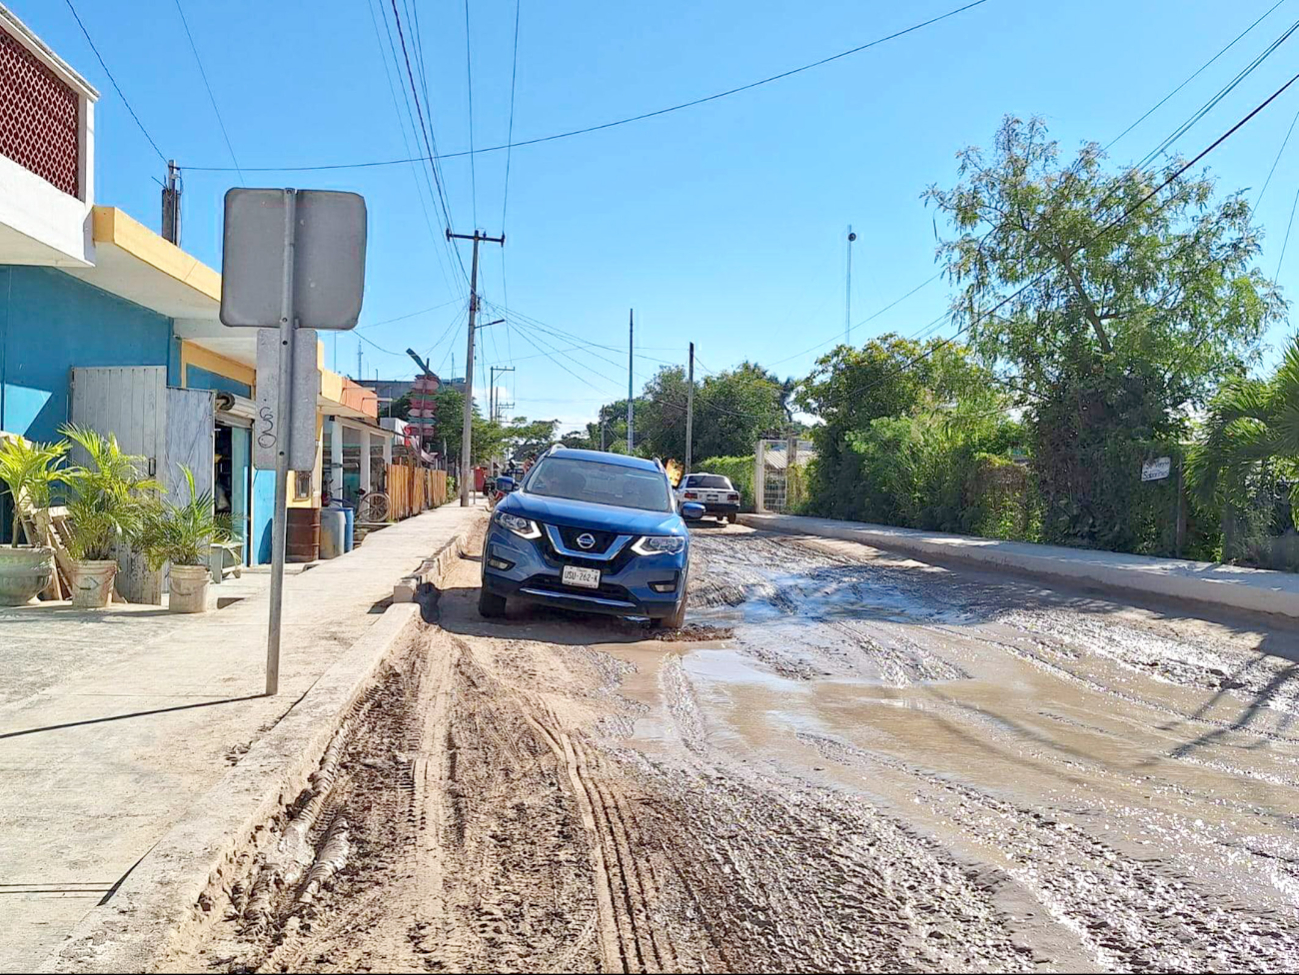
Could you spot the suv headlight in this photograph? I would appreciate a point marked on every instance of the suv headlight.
(659, 544)
(523, 527)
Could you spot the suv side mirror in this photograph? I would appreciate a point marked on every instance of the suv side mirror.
(692, 511)
(506, 484)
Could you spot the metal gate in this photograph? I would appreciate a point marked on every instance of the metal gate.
(780, 481)
(166, 426)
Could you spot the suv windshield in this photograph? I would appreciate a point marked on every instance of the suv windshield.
(587, 480)
(708, 481)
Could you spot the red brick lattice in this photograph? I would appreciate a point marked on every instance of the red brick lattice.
(38, 117)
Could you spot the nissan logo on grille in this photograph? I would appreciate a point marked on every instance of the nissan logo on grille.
(586, 541)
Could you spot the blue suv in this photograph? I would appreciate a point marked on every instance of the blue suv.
(590, 531)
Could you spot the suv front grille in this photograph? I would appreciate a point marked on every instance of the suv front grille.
(570, 536)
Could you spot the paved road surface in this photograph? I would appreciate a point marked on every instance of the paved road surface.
(853, 761)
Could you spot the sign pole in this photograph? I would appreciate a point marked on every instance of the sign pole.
(279, 520)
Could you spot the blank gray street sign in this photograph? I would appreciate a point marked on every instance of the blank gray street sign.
(329, 265)
(294, 261)
(267, 429)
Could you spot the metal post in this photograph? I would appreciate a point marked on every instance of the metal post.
(467, 430)
(690, 411)
(171, 204)
(631, 343)
(847, 303)
(283, 409)
(1180, 515)
(467, 427)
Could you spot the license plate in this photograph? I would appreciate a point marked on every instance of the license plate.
(575, 575)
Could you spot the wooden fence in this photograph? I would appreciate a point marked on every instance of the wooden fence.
(414, 489)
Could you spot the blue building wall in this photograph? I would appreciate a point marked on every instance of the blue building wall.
(197, 377)
(51, 321)
(263, 505)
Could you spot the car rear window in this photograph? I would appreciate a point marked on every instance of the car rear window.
(597, 483)
(708, 481)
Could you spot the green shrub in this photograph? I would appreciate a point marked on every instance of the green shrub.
(738, 469)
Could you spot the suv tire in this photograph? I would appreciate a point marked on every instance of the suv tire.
(674, 621)
(490, 605)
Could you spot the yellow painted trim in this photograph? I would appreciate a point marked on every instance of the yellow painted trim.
(110, 225)
(193, 354)
(316, 473)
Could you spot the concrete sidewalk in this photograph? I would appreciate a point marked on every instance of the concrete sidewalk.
(106, 750)
(1257, 590)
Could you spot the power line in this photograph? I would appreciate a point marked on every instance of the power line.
(868, 318)
(402, 318)
(632, 118)
(582, 379)
(1284, 142)
(530, 333)
(505, 197)
(206, 84)
(116, 86)
(1222, 93)
(469, 78)
(428, 142)
(1165, 144)
(1286, 243)
(419, 174)
(1198, 71)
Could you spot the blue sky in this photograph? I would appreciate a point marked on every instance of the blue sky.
(722, 224)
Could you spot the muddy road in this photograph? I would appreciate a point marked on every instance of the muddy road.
(848, 761)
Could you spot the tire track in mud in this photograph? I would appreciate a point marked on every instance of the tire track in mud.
(800, 877)
(1134, 913)
(1046, 632)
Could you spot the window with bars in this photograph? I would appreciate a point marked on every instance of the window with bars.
(39, 116)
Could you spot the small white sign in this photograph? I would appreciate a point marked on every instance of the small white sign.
(306, 386)
(1157, 469)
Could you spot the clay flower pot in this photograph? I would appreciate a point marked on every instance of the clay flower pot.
(24, 572)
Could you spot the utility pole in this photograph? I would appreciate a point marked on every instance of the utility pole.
(359, 374)
(467, 430)
(690, 410)
(631, 343)
(496, 400)
(847, 302)
(171, 204)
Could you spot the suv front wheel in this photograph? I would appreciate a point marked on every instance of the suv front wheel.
(490, 605)
(673, 622)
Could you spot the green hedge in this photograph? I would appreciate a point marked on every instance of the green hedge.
(738, 469)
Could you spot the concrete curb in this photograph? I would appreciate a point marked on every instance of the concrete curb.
(156, 905)
(1235, 587)
(430, 571)
(133, 931)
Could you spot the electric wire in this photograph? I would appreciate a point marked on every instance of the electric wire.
(632, 118)
(208, 85)
(113, 81)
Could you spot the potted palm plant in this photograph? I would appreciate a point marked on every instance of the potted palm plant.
(183, 535)
(106, 503)
(28, 469)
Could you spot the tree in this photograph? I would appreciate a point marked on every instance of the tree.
(1109, 312)
(1060, 265)
(527, 438)
(661, 419)
(1251, 432)
(734, 408)
(902, 421)
(400, 407)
